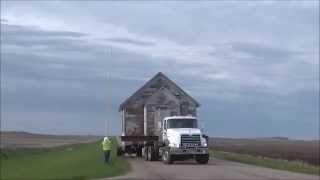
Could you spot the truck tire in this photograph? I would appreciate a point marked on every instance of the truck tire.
(167, 157)
(151, 154)
(146, 153)
(155, 154)
(139, 152)
(202, 159)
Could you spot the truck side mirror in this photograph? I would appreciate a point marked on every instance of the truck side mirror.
(201, 126)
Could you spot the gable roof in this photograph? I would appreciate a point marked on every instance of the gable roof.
(158, 76)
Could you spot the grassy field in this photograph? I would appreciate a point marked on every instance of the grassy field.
(79, 161)
(293, 166)
(16, 139)
(292, 150)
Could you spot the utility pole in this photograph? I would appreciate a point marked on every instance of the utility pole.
(108, 112)
(108, 102)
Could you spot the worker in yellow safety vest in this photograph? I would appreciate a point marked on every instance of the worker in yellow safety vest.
(106, 147)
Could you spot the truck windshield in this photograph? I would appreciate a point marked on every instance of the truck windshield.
(182, 123)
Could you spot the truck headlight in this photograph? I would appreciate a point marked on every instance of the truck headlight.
(205, 144)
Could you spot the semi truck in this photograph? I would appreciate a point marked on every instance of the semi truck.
(180, 139)
(159, 121)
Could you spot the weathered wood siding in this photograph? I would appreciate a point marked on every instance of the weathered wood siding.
(150, 119)
(160, 105)
(157, 108)
(133, 121)
(188, 108)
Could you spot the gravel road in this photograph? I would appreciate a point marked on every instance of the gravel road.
(215, 169)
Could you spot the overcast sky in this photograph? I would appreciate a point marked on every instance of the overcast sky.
(254, 67)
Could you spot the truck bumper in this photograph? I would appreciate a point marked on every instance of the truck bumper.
(190, 151)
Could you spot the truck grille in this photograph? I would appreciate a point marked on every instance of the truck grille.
(190, 140)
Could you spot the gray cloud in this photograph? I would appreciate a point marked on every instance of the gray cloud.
(130, 41)
(23, 31)
(3, 20)
(31, 37)
(264, 52)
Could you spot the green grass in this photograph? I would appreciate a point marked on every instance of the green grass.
(80, 161)
(293, 166)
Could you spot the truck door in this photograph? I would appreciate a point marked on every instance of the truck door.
(161, 113)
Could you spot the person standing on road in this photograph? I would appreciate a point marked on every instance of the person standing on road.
(106, 147)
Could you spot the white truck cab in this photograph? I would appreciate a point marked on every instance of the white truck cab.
(183, 140)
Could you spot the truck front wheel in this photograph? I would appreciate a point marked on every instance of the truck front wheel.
(166, 157)
(202, 159)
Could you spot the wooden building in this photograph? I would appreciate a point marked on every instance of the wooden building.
(159, 97)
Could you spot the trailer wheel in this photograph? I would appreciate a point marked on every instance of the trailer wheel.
(153, 154)
(202, 159)
(146, 153)
(139, 152)
(167, 157)
(150, 154)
